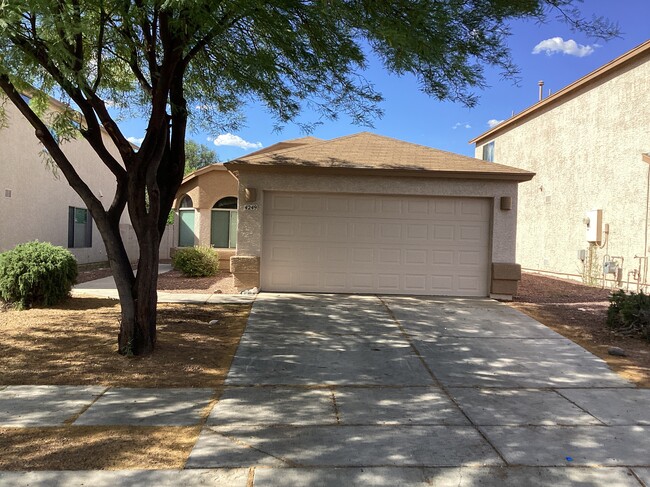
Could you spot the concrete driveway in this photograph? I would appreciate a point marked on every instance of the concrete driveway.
(344, 390)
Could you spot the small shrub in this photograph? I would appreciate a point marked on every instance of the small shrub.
(36, 273)
(196, 261)
(629, 314)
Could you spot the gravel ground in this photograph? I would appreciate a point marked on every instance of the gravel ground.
(578, 312)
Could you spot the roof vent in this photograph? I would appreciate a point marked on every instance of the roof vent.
(7, 193)
(540, 83)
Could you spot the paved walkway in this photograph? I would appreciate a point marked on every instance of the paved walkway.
(105, 288)
(363, 390)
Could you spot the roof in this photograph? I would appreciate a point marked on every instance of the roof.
(216, 166)
(287, 144)
(559, 97)
(374, 154)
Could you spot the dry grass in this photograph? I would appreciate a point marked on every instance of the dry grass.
(76, 344)
(96, 447)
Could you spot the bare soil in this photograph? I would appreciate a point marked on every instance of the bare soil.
(75, 343)
(579, 312)
(96, 447)
(175, 281)
(90, 272)
(172, 281)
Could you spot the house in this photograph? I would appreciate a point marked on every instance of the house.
(206, 212)
(368, 214)
(585, 215)
(36, 202)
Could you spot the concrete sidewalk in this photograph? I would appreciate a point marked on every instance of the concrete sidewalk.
(337, 390)
(105, 288)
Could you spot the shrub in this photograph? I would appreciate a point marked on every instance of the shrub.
(196, 261)
(629, 314)
(36, 273)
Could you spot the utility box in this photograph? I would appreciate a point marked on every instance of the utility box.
(594, 221)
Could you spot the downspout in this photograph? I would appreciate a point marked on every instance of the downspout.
(646, 158)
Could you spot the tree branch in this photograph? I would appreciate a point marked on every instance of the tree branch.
(43, 134)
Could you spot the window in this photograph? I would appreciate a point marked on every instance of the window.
(186, 222)
(186, 202)
(488, 152)
(80, 228)
(223, 234)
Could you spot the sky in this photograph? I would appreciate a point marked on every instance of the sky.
(550, 52)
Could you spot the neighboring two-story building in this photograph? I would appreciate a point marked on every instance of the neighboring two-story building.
(585, 214)
(37, 203)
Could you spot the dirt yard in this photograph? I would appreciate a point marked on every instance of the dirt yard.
(578, 312)
(75, 343)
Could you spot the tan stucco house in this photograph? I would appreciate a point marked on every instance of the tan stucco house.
(37, 203)
(206, 212)
(585, 215)
(364, 214)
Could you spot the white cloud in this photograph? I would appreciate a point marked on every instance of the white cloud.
(235, 141)
(464, 125)
(557, 44)
(135, 140)
(493, 122)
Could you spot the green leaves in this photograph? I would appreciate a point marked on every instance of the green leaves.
(288, 54)
(198, 156)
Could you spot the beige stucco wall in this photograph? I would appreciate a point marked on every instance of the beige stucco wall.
(249, 235)
(206, 188)
(587, 155)
(38, 206)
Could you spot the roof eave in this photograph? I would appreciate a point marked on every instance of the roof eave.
(585, 81)
(235, 167)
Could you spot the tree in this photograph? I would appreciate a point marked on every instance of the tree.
(198, 156)
(167, 58)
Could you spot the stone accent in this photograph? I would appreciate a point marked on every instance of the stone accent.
(224, 258)
(245, 271)
(505, 278)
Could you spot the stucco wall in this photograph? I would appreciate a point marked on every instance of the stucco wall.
(249, 235)
(587, 155)
(205, 190)
(38, 206)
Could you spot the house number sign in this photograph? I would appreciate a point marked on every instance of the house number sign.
(250, 207)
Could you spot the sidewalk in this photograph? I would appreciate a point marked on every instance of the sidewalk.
(105, 288)
(334, 390)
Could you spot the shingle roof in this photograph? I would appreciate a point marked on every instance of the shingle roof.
(287, 144)
(368, 151)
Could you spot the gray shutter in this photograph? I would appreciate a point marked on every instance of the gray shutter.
(70, 227)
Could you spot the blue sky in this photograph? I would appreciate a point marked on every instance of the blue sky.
(412, 116)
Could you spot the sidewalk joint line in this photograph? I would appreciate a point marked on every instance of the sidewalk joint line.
(407, 337)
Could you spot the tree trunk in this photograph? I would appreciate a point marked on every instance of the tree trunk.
(138, 296)
(139, 305)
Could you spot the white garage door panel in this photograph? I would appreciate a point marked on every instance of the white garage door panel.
(372, 243)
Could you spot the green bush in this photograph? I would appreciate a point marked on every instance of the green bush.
(36, 273)
(196, 261)
(629, 314)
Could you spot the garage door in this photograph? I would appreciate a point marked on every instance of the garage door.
(375, 244)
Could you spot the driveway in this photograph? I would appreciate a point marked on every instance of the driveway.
(341, 390)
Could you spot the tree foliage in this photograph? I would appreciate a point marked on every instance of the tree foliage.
(176, 62)
(198, 156)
